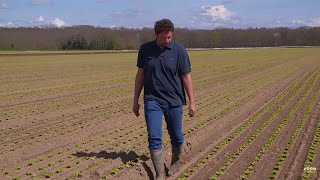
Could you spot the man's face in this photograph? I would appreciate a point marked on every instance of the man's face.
(164, 38)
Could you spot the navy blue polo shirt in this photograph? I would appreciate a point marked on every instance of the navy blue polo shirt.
(162, 72)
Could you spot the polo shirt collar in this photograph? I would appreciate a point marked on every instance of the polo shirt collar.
(170, 46)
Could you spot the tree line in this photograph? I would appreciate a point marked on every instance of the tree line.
(101, 38)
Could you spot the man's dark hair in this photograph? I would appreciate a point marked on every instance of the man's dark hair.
(163, 25)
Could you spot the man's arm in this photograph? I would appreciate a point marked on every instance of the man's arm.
(187, 83)
(137, 90)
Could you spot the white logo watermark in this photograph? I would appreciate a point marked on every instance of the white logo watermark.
(310, 169)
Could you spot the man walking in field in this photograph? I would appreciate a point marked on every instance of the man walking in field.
(164, 72)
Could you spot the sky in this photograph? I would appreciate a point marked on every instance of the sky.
(192, 14)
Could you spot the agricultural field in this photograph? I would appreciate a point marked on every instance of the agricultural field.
(69, 117)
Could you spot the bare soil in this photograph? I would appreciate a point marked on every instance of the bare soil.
(94, 135)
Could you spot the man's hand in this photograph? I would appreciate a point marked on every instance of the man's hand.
(187, 83)
(137, 90)
(135, 109)
(192, 110)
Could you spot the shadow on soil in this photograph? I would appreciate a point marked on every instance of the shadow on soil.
(124, 156)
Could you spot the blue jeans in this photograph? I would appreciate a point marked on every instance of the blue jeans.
(173, 117)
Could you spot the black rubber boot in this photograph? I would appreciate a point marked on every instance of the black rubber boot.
(156, 156)
(176, 160)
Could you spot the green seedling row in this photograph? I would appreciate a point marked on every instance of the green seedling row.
(165, 143)
(248, 171)
(230, 137)
(282, 157)
(250, 140)
(57, 160)
(311, 157)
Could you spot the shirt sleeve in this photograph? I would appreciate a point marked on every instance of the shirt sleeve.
(140, 60)
(184, 62)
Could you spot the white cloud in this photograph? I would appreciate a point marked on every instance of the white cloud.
(133, 18)
(217, 25)
(313, 22)
(4, 6)
(227, 2)
(209, 17)
(40, 2)
(297, 21)
(4, 23)
(102, 1)
(216, 12)
(128, 13)
(58, 22)
(40, 19)
(105, 1)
